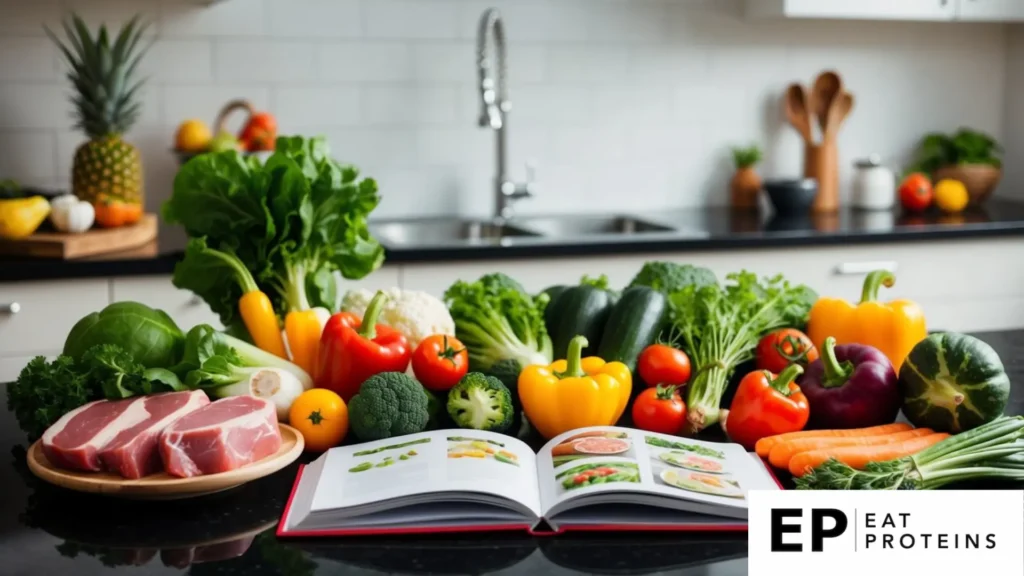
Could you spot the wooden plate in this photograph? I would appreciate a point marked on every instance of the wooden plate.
(163, 486)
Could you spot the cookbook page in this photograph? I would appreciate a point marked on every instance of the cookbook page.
(434, 462)
(609, 459)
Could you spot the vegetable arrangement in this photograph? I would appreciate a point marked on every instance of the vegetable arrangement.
(492, 356)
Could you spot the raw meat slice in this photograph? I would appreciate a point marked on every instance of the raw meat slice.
(221, 436)
(75, 440)
(133, 452)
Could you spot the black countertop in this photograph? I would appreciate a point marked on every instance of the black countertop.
(49, 530)
(699, 230)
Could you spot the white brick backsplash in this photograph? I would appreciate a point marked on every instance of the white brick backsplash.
(454, 146)
(654, 65)
(253, 60)
(182, 102)
(314, 19)
(408, 104)
(445, 62)
(298, 106)
(532, 20)
(28, 155)
(179, 61)
(33, 106)
(558, 105)
(589, 64)
(27, 59)
(411, 19)
(633, 106)
(114, 13)
(237, 18)
(365, 62)
(29, 17)
(374, 149)
(623, 104)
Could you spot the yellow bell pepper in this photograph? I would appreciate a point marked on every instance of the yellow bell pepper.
(892, 327)
(575, 392)
(21, 217)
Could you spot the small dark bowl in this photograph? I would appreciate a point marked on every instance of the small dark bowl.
(791, 195)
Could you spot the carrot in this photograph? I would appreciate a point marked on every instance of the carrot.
(859, 456)
(764, 445)
(783, 452)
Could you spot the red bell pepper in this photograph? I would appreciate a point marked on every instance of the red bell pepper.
(765, 405)
(353, 349)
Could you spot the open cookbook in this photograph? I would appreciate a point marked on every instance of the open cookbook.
(599, 478)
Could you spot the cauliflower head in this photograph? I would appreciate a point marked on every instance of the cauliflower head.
(414, 313)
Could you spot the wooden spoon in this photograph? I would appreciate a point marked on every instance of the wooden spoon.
(827, 86)
(797, 111)
(842, 104)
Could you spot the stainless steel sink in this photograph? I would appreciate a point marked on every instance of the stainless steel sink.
(445, 232)
(574, 226)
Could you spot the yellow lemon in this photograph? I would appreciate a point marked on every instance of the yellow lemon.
(951, 196)
(193, 136)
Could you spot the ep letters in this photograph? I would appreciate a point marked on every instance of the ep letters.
(888, 532)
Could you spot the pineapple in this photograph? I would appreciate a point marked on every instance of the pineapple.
(103, 69)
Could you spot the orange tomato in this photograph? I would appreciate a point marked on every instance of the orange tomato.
(322, 418)
(111, 213)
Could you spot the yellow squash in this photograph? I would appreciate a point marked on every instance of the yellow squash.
(575, 392)
(21, 217)
(892, 327)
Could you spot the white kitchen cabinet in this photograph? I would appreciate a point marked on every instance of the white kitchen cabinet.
(184, 307)
(991, 10)
(46, 313)
(934, 10)
(964, 285)
(12, 366)
(187, 309)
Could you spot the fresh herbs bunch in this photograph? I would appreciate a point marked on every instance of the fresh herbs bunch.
(965, 146)
(45, 391)
(296, 222)
(720, 326)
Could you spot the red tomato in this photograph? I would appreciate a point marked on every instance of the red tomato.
(916, 192)
(661, 364)
(659, 409)
(439, 362)
(780, 348)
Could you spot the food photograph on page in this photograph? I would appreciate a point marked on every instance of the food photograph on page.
(285, 288)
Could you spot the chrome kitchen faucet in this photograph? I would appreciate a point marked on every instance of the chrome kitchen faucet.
(494, 111)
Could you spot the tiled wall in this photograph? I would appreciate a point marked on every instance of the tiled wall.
(624, 104)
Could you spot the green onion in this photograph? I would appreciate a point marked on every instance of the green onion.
(993, 451)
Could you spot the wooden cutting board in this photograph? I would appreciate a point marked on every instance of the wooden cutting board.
(90, 243)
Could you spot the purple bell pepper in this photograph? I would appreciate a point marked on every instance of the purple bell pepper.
(851, 386)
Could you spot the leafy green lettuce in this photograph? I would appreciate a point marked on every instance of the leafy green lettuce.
(295, 222)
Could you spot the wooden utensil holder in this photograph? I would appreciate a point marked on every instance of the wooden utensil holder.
(821, 162)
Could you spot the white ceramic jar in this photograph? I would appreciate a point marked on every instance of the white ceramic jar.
(874, 185)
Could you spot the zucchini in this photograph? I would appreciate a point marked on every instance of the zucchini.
(635, 322)
(553, 293)
(578, 311)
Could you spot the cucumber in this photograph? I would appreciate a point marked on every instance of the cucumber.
(578, 311)
(553, 293)
(634, 324)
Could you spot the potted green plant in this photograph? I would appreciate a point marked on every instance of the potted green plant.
(746, 183)
(970, 156)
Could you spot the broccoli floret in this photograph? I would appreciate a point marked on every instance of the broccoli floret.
(668, 277)
(480, 402)
(496, 320)
(388, 404)
(502, 281)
